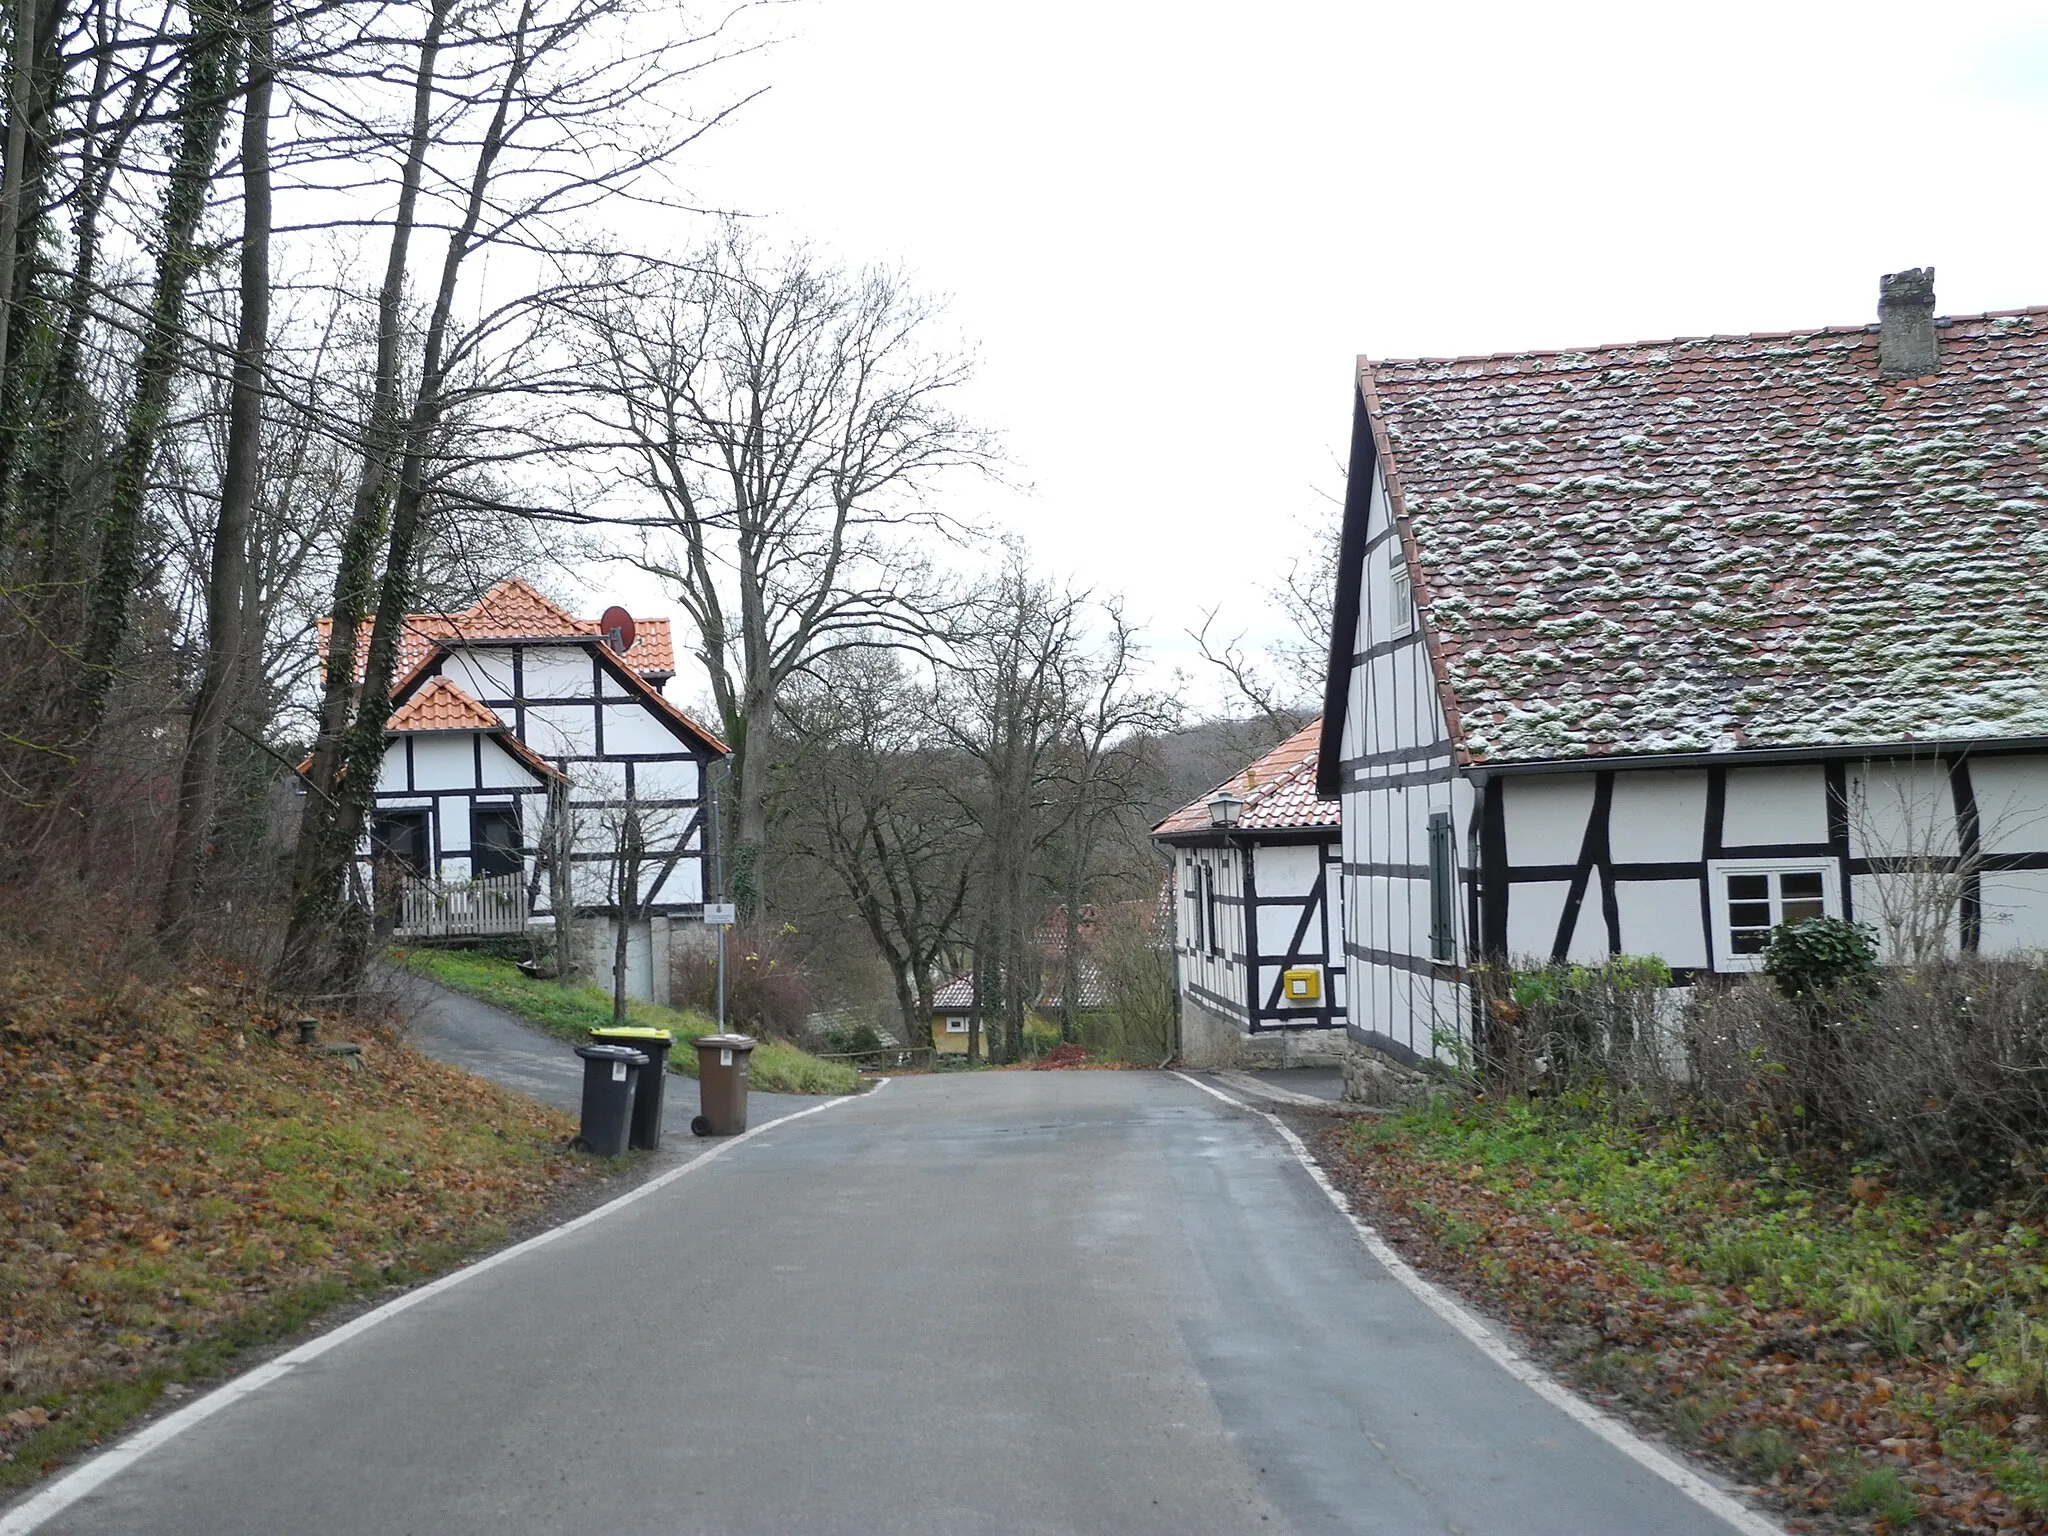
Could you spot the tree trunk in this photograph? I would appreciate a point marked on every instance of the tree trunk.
(326, 842)
(202, 117)
(560, 841)
(199, 781)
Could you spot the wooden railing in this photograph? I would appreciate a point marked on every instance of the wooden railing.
(461, 909)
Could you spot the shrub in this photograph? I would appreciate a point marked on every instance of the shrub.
(766, 993)
(1940, 1074)
(1563, 1025)
(1821, 956)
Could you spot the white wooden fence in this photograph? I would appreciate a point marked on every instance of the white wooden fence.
(460, 909)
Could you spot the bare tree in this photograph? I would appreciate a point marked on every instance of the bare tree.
(1100, 777)
(786, 418)
(1006, 704)
(875, 805)
(523, 113)
(1283, 683)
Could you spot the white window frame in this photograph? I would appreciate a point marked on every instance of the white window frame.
(1401, 614)
(956, 1026)
(1718, 871)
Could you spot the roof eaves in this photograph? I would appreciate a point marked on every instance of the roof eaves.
(1350, 580)
(1397, 509)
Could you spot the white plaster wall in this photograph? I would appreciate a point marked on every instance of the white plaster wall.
(1662, 918)
(676, 780)
(2012, 803)
(1901, 808)
(391, 772)
(630, 728)
(1658, 818)
(2015, 912)
(1534, 909)
(561, 730)
(504, 771)
(1546, 821)
(444, 760)
(1588, 944)
(482, 674)
(557, 672)
(1775, 805)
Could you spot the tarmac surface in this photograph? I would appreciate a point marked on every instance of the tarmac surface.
(491, 1043)
(1030, 1302)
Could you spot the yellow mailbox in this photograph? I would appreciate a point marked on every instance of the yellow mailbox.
(1304, 984)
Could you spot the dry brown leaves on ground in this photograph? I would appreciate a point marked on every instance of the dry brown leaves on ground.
(1817, 1422)
(170, 1171)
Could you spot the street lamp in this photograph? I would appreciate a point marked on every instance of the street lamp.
(1224, 809)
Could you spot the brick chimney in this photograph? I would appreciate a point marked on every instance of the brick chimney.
(1905, 321)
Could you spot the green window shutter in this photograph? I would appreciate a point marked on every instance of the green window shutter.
(1443, 889)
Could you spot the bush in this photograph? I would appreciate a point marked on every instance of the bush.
(1940, 1072)
(1821, 955)
(766, 993)
(849, 1040)
(1581, 1026)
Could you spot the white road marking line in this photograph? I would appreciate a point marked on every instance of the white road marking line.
(74, 1485)
(1688, 1482)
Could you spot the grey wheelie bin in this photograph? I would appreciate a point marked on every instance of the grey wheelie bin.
(610, 1074)
(647, 1097)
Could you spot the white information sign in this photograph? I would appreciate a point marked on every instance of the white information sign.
(720, 914)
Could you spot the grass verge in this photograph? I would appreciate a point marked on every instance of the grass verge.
(176, 1186)
(1866, 1358)
(572, 1012)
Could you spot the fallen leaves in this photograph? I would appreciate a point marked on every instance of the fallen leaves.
(1837, 1430)
(170, 1172)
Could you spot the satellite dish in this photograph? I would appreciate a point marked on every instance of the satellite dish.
(617, 628)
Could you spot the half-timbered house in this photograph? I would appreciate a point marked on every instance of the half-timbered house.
(511, 705)
(1644, 649)
(1258, 955)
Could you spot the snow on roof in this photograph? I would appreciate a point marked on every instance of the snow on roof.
(1279, 792)
(513, 610)
(1728, 541)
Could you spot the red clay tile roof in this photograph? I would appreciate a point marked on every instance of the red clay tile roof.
(1729, 541)
(441, 706)
(514, 610)
(1279, 791)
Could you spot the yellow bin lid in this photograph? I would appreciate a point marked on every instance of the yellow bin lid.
(632, 1032)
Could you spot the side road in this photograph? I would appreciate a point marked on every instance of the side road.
(1003, 1302)
(493, 1044)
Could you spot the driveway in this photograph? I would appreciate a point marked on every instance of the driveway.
(1053, 1302)
(492, 1043)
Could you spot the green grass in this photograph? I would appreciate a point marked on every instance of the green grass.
(572, 1012)
(1878, 1492)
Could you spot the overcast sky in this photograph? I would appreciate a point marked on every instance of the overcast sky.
(1169, 229)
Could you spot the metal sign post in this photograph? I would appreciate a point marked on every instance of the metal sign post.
(718, 912)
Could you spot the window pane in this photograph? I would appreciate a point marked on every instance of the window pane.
(1749, 887)
(1803, 883)
(1804, 911)
(1750, 941)
(1749, 914)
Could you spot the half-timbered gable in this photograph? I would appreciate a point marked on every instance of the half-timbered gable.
(1717, 633)
(514, 704)
(1259, 947)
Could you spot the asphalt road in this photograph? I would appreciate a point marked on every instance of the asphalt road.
(492, 1043)
(1015, 1302)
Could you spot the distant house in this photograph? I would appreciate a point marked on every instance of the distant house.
(497, 710)
(1259, 957)
(1645, 648)
(953, 1003)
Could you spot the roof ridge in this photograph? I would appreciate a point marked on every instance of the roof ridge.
(1366, 361)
